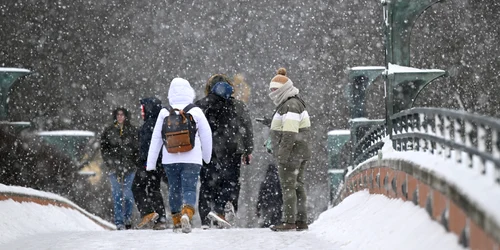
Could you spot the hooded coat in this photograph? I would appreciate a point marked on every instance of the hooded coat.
(229, 119)
(230, 122)
(180, 94)
(120, 146)
(152, 107)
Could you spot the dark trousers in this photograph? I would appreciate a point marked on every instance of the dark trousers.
(147, 194)
(219, 184)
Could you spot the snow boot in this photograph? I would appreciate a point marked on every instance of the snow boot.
(160, 224)
(187, 215)
(219, 219)
(176, 219)
(301, 226)
(229, 213)
(284, 227)
(147, 220)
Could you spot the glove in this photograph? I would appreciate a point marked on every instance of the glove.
(268, 146)
(265, 121)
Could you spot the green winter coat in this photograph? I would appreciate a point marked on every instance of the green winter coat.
(290, 131)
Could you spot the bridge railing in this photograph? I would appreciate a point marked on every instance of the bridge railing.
(370, 144)
(470, 139)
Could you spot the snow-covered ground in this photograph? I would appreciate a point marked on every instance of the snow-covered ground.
(362, 221)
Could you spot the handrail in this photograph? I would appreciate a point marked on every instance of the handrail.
(466, 137)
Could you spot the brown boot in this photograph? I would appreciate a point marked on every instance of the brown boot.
(284, 227)
(176, 219)
(301, 226)
(188, 210)
(187, 215)
(147, 220)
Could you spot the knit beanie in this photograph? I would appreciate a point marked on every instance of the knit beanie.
(280, 79)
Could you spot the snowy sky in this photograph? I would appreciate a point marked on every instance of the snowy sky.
(362, 221)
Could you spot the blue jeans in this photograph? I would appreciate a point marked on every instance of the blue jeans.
(182, 181)
(122, 192)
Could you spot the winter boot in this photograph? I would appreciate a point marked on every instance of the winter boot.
(160, 224)
(284, 227)
(301, 226)
(147, 220)
(176, 219)
(219, 219)
(187, 215)
(229, 214)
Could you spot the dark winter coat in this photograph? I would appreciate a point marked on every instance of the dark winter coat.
(230, 122)
(120, 146)
(152, 107)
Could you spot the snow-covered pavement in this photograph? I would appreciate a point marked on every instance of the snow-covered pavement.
(362, 221)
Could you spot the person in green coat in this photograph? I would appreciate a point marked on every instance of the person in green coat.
(289, 136)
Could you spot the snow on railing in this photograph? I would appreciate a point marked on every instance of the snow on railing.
(470, 139)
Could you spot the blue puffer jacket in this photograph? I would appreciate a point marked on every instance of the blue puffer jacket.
(152, 107)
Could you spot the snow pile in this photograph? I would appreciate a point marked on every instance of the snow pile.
(364, 221)
(24, 219)
(361, 221)
(27, 218)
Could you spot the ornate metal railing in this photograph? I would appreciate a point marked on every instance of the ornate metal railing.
(469, 139)
(370, 144)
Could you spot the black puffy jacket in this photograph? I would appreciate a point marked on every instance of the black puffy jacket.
(230, 122)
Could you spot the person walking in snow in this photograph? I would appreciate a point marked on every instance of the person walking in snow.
(119, 149)
(146, 186)
(232, 135)
(289, 136)
(182, 169)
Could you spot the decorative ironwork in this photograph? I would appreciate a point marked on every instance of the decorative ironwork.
(469, 139)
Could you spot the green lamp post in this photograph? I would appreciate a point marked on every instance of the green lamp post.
(403, 83)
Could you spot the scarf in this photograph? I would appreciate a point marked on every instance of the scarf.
(282, 94)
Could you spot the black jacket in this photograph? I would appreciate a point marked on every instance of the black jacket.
(152, 107)
(230, 122)
(120, 147)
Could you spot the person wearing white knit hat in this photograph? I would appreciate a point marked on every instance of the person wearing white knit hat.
(289, 137)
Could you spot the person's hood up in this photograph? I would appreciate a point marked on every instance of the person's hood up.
(180, 92)
(152, 107)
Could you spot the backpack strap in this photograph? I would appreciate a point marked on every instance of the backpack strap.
(169, 108)
(188, 107)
